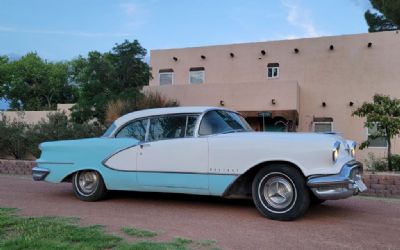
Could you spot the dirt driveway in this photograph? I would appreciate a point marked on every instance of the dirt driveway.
(356, 223)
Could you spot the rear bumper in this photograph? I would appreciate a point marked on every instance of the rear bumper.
(346, 183)
(39, 174)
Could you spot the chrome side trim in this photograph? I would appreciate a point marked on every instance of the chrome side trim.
(39, 174)
(53, 162)
(346, 183)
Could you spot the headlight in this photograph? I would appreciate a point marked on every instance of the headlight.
(335, 151)
(353, 147)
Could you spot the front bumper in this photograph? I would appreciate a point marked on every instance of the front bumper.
(39, 174)
(339, 186)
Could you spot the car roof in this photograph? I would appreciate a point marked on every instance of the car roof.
(163, 111)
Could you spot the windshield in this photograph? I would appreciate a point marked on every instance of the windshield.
(221, 121)
(109, 130)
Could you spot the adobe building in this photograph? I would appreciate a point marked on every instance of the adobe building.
(300, 85)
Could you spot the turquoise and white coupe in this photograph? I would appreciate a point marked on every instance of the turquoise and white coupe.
(206, 151)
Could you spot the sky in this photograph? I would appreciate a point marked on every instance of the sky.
(64, 29)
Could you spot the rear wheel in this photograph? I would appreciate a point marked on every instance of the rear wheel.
(280, 192)
(88, 185)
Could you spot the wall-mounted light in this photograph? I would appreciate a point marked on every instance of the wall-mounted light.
(232, 55)
(175, 58)
(296, 50)
(351, 104)
(273, 101)
(222, 103)
(369, 45)
(323, 104)
(203, 57)
(263, 52)
(331, 47)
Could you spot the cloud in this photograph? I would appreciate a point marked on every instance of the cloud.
(299, 17)
(364, 4)
(134, 15)
(62, 32)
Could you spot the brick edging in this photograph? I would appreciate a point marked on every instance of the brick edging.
(382, 184)
(379, 184)
(16, 167)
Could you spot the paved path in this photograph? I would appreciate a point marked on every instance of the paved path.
(356, 223)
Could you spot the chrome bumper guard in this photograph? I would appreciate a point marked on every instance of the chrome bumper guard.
(339, 186)
(39, 174)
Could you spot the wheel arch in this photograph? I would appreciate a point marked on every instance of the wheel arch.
(242, 186)
(68, 178)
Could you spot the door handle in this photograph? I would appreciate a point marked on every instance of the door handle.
(144, 145)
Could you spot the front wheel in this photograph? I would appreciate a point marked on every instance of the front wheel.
(88, 185)
(280, 192)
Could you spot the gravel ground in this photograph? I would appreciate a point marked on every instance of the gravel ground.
(355, 223)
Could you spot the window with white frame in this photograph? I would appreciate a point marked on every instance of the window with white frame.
(196, 75)
(322, 127)
(378, 142)
(166, 76)
(273, 70)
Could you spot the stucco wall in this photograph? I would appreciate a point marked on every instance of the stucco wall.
(35, 116)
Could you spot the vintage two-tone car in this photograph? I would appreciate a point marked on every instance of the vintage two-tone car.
(206, 151)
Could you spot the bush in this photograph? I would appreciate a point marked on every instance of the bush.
(18, 139)
(381, 164)
(395, 159)
(59, 127)
(119, 108)
(13, 138)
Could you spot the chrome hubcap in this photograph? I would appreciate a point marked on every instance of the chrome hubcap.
(278, 192)
(88, 182)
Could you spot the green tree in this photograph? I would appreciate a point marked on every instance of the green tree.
(104, 77)
(32, 83)
(388, 17)
(384, 113)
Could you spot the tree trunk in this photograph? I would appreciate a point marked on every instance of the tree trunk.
(389, 153)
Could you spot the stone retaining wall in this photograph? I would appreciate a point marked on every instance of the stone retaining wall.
(379, 184)
(382, 184)
(16, 167)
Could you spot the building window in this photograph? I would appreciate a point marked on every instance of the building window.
(323, 124)
(378, 142)
(322, 127)
(273, 70)
(196, 75)
(166, 76)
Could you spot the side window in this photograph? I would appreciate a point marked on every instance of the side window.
(135, 129)
(215, 122)
(167, 127)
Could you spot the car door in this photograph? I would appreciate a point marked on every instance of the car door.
(172, 157)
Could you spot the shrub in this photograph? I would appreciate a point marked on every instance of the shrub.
(375, 164)
(395, 159)
(119, 108)
(19, 139)
(13, 138)
(59, 127)
(381, 164)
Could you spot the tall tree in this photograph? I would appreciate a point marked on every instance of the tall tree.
(388, 17)
(32, 83)
(104, 77)
(384, 114)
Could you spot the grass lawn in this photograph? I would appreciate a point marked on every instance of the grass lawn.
(18, 232)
